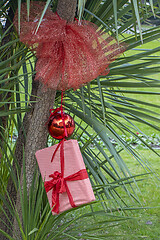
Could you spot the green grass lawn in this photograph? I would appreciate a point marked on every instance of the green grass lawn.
(142, 223)
(145, 223)
(149, 98)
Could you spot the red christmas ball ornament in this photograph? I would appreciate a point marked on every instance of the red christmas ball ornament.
(56, 125)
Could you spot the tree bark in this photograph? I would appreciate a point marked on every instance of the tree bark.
(66, 9)
(37, 131)
(36, 139)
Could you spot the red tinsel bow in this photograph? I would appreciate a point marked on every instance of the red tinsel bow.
(69, 54)
(58, 185)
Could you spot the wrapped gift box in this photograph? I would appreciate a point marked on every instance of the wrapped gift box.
(80, 190)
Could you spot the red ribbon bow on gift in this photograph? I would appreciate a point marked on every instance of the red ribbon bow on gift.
(58, 185)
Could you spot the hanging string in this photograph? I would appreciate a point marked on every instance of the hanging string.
(62, 115)
(58, 184)
(57, 15)
(58, 146)
(79, 22)
(53, 112)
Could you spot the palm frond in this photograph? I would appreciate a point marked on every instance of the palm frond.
(104, 110)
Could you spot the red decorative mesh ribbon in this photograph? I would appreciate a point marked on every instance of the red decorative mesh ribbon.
(58, 184)
(69, 54)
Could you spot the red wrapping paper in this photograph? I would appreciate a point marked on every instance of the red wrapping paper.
(80, 190)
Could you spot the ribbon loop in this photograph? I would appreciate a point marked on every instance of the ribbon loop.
(53, 113)
(58, 185)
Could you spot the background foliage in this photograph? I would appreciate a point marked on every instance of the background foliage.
(107, 112)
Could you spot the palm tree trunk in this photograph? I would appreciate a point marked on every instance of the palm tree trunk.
(37, 131)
